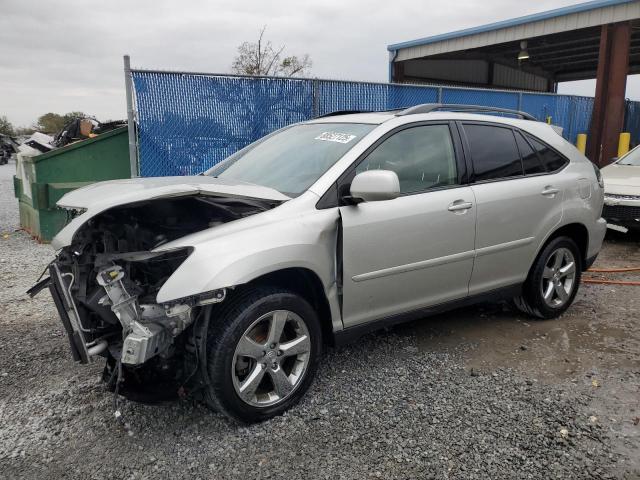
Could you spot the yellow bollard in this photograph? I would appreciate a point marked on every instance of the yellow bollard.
(581, 143)
(623, 145)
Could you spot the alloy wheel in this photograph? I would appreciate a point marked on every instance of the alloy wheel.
(558, 277)
(271, 358)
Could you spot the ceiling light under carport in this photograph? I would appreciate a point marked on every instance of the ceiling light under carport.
(524, 53)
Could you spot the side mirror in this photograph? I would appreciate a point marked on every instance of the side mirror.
(375, 185)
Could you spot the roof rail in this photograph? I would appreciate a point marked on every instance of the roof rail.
(432, 107)
(341, 112)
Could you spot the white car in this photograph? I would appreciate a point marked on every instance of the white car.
(622, 192)
(225, 286)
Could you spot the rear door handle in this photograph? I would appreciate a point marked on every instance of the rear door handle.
(550, 191)
(460, 205)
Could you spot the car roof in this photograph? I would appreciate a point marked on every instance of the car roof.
(537, 128)
(424, 108)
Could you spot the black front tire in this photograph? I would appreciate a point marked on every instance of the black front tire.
(228, 324)
(532, 301)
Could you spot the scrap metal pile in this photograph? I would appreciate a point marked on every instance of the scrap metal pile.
(8, 146)
(83, 128)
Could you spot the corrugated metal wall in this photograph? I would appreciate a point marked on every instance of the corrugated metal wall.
(470, 71)
(508, 77)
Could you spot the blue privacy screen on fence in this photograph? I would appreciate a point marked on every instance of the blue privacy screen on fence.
(189, 122)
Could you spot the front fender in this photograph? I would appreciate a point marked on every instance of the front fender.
(307, 241)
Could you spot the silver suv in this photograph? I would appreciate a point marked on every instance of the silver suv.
(225, 286)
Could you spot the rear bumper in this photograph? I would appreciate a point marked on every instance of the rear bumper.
(596, 237)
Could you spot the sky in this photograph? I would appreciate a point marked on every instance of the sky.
(67, 56)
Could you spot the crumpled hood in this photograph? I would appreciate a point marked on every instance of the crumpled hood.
(122, 192)
(98, 197)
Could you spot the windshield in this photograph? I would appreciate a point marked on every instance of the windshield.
(291, 160)
(632, 158)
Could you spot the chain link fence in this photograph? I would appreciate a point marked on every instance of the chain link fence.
(188, 122)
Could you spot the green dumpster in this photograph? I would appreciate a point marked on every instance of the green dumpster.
(43, 179)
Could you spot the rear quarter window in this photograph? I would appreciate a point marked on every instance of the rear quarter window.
(530, 160)
(551, 160)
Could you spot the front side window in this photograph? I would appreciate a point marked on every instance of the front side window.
(423, 157)
(493, 151)
(292, 160)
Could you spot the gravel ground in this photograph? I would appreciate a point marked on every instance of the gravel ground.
(433, 399)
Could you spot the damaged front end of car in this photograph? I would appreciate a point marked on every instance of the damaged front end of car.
(106, 281)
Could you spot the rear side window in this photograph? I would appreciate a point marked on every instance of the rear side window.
(530, 160)
(494, 152)
(551, 160)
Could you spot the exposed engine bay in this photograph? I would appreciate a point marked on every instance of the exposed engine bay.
(105, 283)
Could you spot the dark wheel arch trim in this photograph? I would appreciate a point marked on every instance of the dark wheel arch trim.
(576, 232)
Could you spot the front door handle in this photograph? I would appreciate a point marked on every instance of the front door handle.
(460, 205)
(549, 191)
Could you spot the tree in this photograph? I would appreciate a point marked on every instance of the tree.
(53, 122)
(25, 130)
(6, 127)
(50, 123)
(261, 58)
(73, 115)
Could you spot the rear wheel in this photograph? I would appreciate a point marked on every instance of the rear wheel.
(553, 280)
(263, 348)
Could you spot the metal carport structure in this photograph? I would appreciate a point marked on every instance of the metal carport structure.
(598, 39)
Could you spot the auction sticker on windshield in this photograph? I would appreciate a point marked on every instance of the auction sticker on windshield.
(335, 137)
